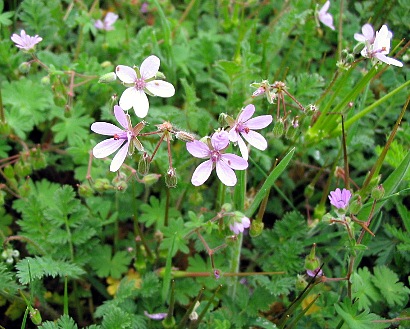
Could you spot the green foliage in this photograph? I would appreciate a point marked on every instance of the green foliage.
(355, 319)
(105, 264)
(31, 268)
(8, 284)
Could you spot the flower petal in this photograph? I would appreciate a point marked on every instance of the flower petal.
(107, 147)
(161, 88)
(119, 158)
(234, 161)
(246, 113)
(105, 128)
(256, 140)
(220, 140)
(236, 228)
(150, 67)
(140, 104)
(121, 116)
(368, 32)
(233, 135)
(126, 74)
(246, 222)
(325, 8)
(198, 149)
(202, 173)
(243, 148)
(259, 122)
(225, 173)
(388, 60)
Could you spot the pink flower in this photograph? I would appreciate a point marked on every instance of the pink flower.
(340, 198)
(242, 127)
(24, 41)
(317, 272)
(381, 47)
(141, 81)
(239, 226)
(325, 17)
(367, 36)
(224, 163)
(108, 23)
(156, 316)
(127, 135)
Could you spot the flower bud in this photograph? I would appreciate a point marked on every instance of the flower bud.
(143, 164)
(150, 179)
(106, 64)
(35, 316)
(327, 218)
(291, 133)
(278, 128)
(301, 282)
(184, 136)
(45, 81)
(24, 67)
(160, 75)
(358, 48)
(22, 169)
(378, 192)
(85, 190)
(309, 190)
(121, 186)
(231, 240)
(102, 184)
(256, 228)
(171, 178)
(108, 78)
(319, 211)
(2, 195)
(311, 261)
(355, 204)
(227, 207)
(169, 322)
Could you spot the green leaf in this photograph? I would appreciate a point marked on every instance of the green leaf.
(39, 267)
(74, 129)
(7, 282)
(174, 235)
(269, 182)
(363, 289)
(353, 319)
(154, 212)
(107, 265)
(117, 319)
(394, 292)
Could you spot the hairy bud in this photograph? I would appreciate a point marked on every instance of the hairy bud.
(171, 178)
(108, 78)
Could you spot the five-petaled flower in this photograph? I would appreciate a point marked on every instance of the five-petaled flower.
(340, 198)
(380, 47)
(238, 226)
(24, 41)
(141, 81)
(108, 22)
(243, 126)
(325, 17)
(224, 163)
(127, 135)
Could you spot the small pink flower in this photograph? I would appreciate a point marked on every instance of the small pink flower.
(239, 226)
(127, 135)
(224, 163)
(24, 41)
(340, 198)
(108, 22)
(156, 316)
(142, 81)
(381, 47)
(325, 17)
(243, 127)
(367, 34)
(317, 272)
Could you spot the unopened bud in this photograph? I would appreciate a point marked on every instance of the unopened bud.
(260, 91)
(171, 178)
(143, 164)
(226, 207)
(102, 184)
(358, 48)
(319, 211)
(85, 190)
(169, 322)
(256, 228)
(108, 78)
(106, 64)
(291, 132)
(184, 136)
(309, 190)
(301, 282)
(312, 263)
(45, 81)
(150, 179)
(22, 168)
(24, 67)
(35, 316)
(217, 273)
(121, 186)
(378, 192)
(327, 218)
(2, 195)
(355, 204)
(278, 128)
(160, 75)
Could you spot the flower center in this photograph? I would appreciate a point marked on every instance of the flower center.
(140, 84)
(242, 128)
(215, 156)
